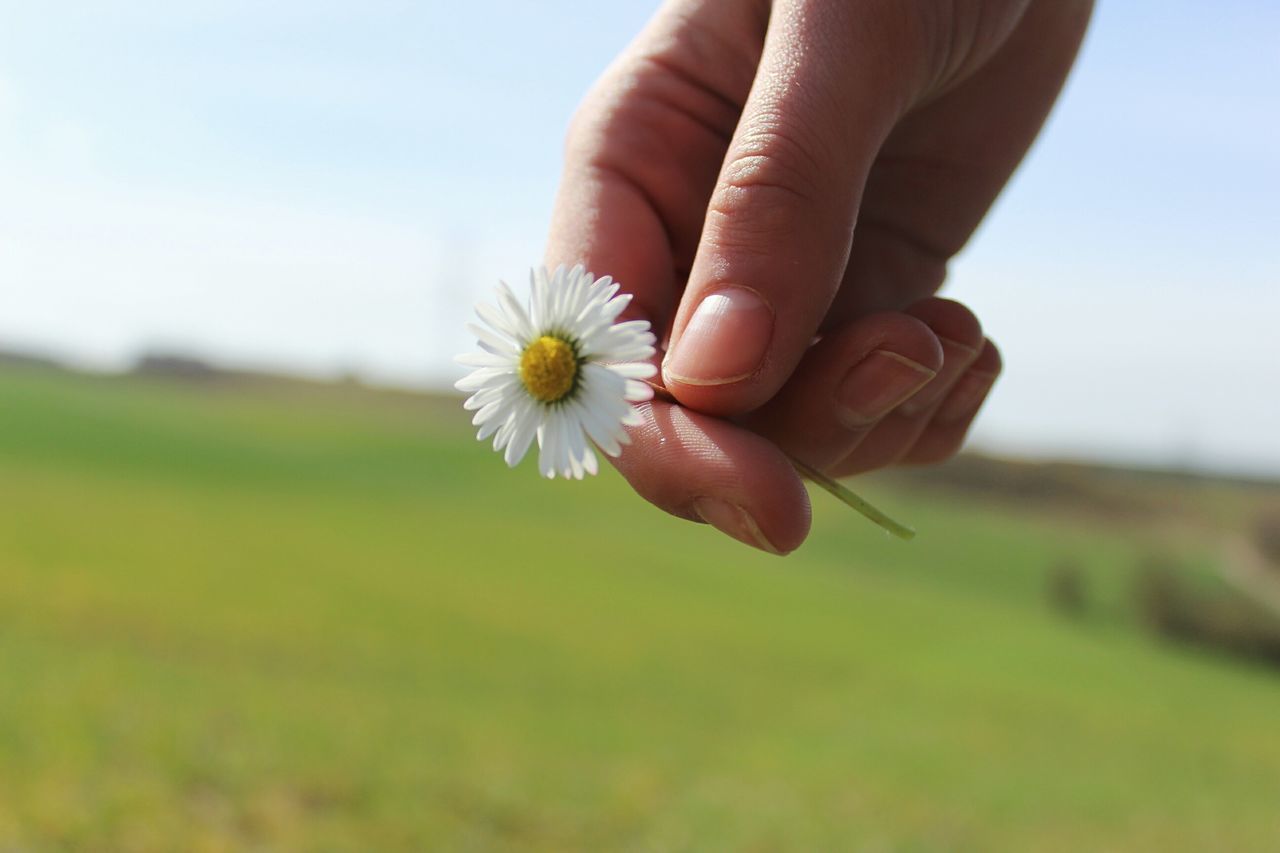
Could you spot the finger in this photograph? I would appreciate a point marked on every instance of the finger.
(960, 335)
(779, 224)
(946, 161)
(706, 469)
(643, 150)
(946, 431)
(846, 383)
(641, 161)
(607, 225)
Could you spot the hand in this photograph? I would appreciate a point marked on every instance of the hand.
(762, 176)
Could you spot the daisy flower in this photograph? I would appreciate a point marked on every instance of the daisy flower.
(559, 369)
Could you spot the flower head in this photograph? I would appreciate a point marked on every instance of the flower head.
(559, 369)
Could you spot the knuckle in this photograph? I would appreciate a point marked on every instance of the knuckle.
(757, 195)
(771, 173)
(959, 35)
(771, 151)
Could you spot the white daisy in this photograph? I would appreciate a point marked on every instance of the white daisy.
(560, 369)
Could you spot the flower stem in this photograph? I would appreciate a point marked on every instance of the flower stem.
(843, 493)
(850, 499)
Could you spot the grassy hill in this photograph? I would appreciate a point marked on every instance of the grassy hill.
(258, 614)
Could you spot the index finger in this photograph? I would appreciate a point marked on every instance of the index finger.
(644, 150)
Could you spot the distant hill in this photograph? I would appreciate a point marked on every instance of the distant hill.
(1132, 493)
(15, 358)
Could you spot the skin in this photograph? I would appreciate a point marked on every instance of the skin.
(804, 170)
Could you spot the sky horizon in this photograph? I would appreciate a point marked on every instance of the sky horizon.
(327, 188)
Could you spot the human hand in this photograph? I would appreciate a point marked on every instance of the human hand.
(763, 175)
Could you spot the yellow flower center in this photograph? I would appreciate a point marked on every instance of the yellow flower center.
(548, 367)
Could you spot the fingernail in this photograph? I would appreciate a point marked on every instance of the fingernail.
(725, 339)
(965, 397)
(733, 520)
(876, 386)
(955, 358)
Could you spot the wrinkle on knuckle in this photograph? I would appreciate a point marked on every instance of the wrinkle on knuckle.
(775, 133)
(958, 36)
(612, 112)
(752, 179)
(769, 175)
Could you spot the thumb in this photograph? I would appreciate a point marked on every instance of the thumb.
(832, 81)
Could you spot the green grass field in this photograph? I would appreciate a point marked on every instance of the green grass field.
(274, 616)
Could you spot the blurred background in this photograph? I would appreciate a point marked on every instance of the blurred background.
(260, 588)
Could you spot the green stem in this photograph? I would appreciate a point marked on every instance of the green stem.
(850, 499)
(844, 494)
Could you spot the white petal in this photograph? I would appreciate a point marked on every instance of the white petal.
(629, 330)
(560, 460)
(602, 290)
(497, 319)
(631, 333)
(591, 462)
(494, 410)
(607, 344)
(600, 429)
(611, 343)
(503, 436)
(612, 412)
(557, 286)
(477, 379)
(632, 418)
(482, 359)
(618, 356)
(524, 330)
(546, 440)
(488, 428)
(595, 295)
(634, 369)
(522, 434)
(555, 448)
(638, 392)
(577, 445)
(638, 327)
(489, 393)
(604, 381)
(485, 412)
(616, 306)
(559, 445)
(499, 344)
(570, 288)
(523, 415)
(539, 297)
(607, 412)
(598, 295)
(576, 294)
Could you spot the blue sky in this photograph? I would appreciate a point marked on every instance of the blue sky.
(327, 186)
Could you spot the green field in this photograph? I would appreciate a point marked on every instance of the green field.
(274, 616)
